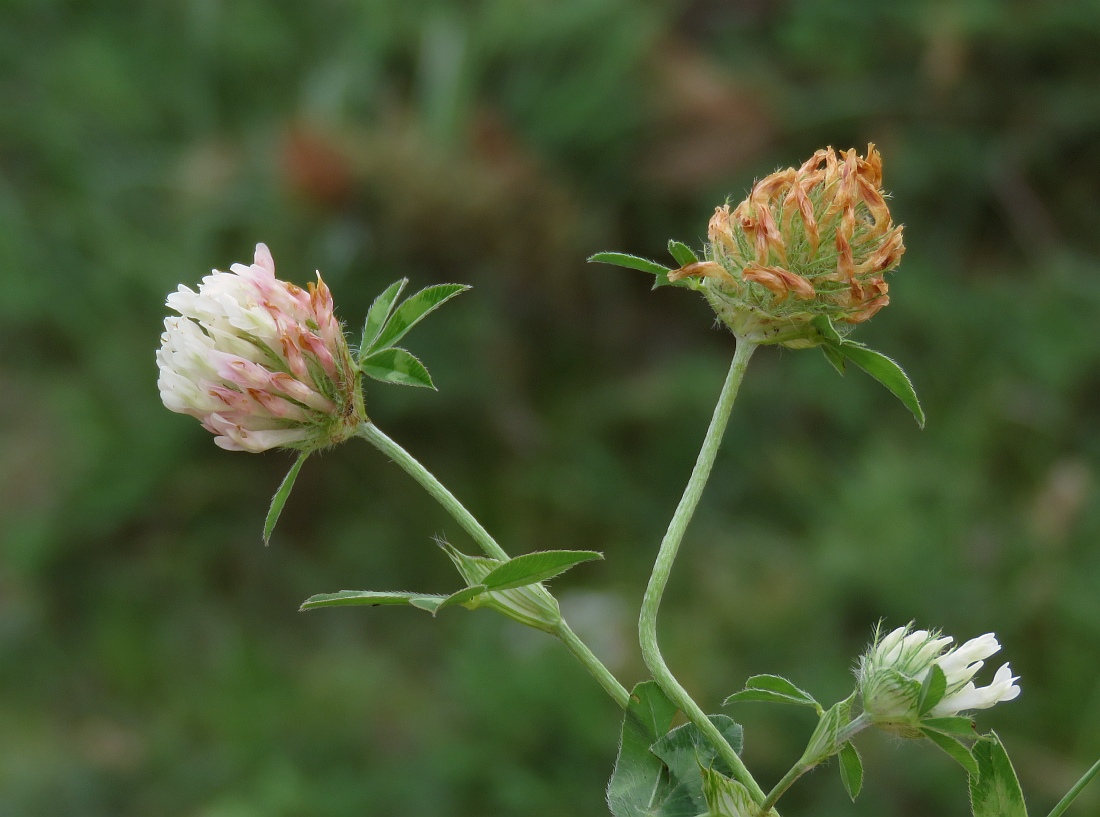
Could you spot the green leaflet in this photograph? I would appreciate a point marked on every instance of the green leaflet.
(851, 770)
(536, 567)
(774, 689)
(682, 253)
(396, 366)
(955, 748)
(666, 774)
(622, 259)
(885, 370)
(888, 373)
(834, 356)
(686, 752)
(279, 500)
(932, 690)
(640, 778)
(995, 790)
(378, 314)
(951, 726)
(463, 596)
(371, 598)
(412, 311)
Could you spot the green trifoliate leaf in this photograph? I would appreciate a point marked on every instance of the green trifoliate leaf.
(536, 567)
(378, 314)
(888, 373)
(774, 689)
(851, 770)
(683, 254)
(279, 500)
(995, 790)
(932, 690)
(824, 741)
(412, 311)
(950, 726)
(371, 598)
(396, 366)
(955, 748)
(640, 780)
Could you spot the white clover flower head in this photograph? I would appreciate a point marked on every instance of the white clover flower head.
(893, 671)
(260, 362)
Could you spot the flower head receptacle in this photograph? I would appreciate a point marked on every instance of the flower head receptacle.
(894, 674)
(811, 241)
(262, 363)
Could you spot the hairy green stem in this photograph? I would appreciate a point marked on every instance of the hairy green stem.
(647, 621)
(801, 767)
(374, 435)
(1071, 795)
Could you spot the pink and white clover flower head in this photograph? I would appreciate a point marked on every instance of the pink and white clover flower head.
(262, 363)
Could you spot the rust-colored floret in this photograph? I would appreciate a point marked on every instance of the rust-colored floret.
(816, 240)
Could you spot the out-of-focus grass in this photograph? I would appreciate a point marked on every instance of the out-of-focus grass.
(151, 659)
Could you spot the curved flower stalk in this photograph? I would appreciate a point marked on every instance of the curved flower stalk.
(909, 675)
(260, 362)
(264, 364)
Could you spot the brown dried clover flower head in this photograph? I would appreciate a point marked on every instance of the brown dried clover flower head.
(807, 242)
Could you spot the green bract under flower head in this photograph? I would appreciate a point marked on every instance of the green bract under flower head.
(897, 678)
(806, 242)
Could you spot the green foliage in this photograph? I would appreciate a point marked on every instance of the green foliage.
(281, 495)
(372, 598)
(726, 797)
(994, 789)
(386, 324)
(774, 689)
(660, 773)
(410, 313)
(955, 748)
(396, 366)
(378, 315)
(825, 740)
(839, 350)
(851, 770)
(963, 727)
(529, 568)
(640, 781)
(620, 259)
(686, 752)
(683, 254)
(886, 372)
(932, 690)
(151, 660)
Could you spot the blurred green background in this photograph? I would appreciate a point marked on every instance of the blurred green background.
(152, 659)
